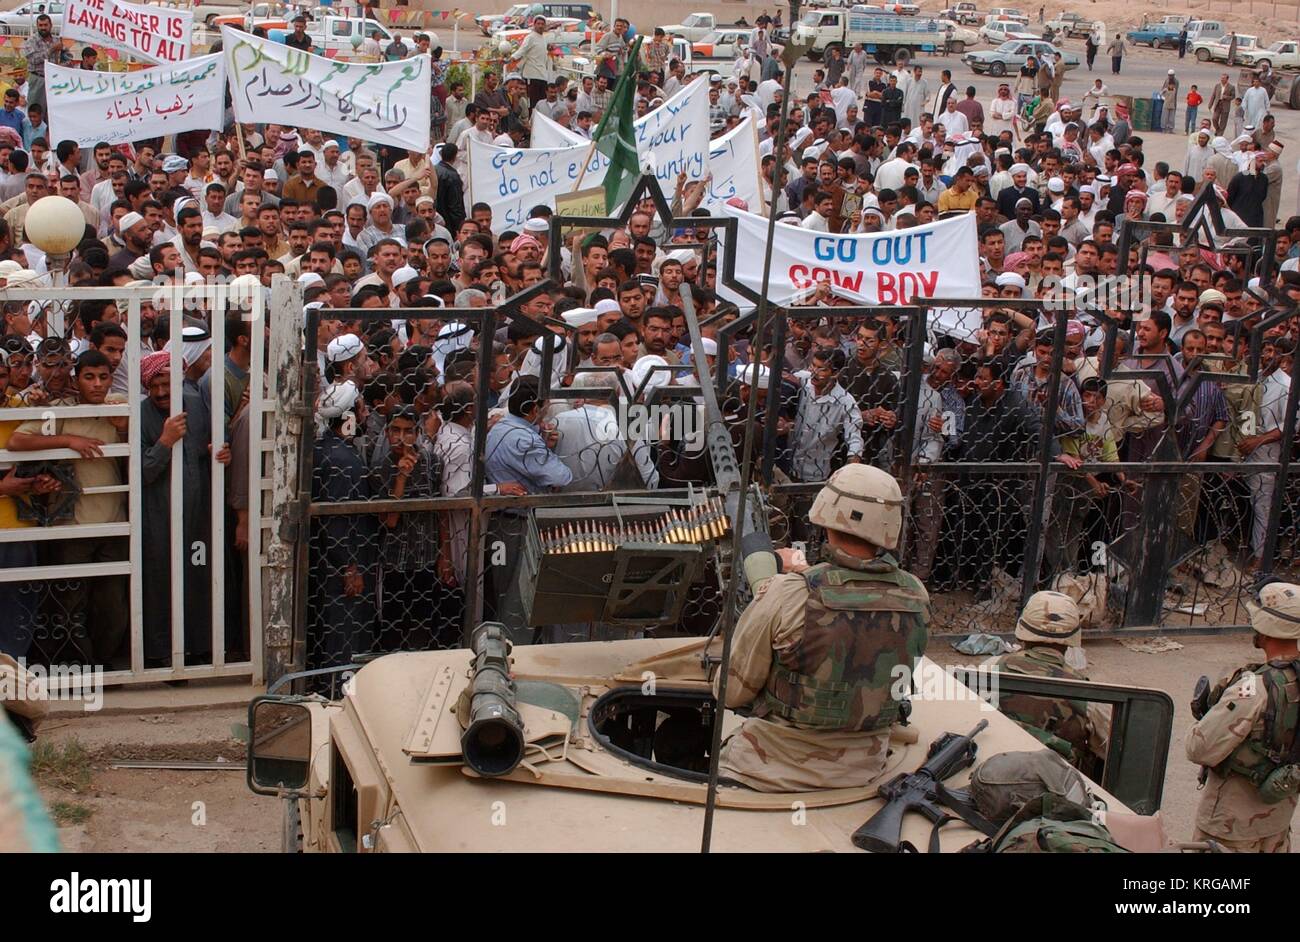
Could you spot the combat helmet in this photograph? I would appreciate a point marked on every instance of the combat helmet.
(863, 501)
(1049, 618)
(1278, 613)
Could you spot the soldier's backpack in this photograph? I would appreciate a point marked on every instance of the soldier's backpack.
(1004, 783)
(1051, 825)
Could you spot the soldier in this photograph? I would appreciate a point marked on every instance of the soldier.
(1246, 737)
(1048, 625)
(822, 654)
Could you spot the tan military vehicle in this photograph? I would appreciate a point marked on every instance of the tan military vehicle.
(604, 747)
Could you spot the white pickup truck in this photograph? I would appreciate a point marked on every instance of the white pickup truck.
(1216, 50)
(1283, 54)
(694, 27)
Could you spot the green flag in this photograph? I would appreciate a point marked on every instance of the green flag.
(615, 136)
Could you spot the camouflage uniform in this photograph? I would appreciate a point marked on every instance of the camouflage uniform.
(814, 657)
(1049, 618)
(1063, 725)
(1248, 733)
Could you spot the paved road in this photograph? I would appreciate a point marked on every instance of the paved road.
(1143, 71)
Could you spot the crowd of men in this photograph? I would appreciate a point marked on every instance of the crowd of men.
(364, 227)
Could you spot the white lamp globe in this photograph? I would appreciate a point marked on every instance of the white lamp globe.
(55, 225)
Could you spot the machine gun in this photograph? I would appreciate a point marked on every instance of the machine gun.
(923, 791)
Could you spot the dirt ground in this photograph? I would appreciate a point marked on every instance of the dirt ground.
(140, 811)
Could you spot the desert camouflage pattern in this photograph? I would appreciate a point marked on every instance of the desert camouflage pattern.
(1049, 617)
(1062, 725)
(1278, 612)
(1231, 810)
(864, 501)
(786, 631)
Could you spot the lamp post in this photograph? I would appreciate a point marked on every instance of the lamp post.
(55, 225)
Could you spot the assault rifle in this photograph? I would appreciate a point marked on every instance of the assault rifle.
(923, 791)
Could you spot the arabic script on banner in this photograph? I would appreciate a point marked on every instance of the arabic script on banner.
(117, 107)
(386, 102)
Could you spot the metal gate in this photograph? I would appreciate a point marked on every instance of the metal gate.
(86, 582)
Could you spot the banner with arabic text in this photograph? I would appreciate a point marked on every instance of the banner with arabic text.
(150, 32)
(117, 107)
(386, 102)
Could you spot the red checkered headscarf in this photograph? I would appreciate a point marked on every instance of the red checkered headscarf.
(153, 364)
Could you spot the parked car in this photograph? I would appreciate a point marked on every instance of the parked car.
(724, 43)
(335, 33)
(1216, 50)
(962, 36)
(694, 27)
(1283, 54)
(964, 13)
(491, 23)
(207, 11)
(999, 31)
(1070, 24)
(1156, 35)
(1011, 56)
(266, 15)
(22, 19)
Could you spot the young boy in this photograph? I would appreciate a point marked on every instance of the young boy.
(1194, 100)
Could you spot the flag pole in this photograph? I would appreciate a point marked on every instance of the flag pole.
(604, 118)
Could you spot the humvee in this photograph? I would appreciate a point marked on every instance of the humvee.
(603, 746)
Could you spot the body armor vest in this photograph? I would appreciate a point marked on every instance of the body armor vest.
(865, 625)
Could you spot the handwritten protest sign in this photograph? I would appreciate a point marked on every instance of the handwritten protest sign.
(386, 102)
(675, 135)
(732, 158)
(733, 168)
(512, 180)
(936, 260)
(117, 107)
(153, 33)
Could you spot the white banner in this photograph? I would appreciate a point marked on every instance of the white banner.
(939, 259)
(675, 136)
(117, 107)
(153, 33)
(512, 180)
(733, 160)
(386, 102)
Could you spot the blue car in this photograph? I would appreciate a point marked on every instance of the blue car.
(1157, 37)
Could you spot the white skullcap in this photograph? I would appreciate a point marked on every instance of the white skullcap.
(309, 278)
(1010, 278)
(1019, 168)
(344, 348)
(194, 278)
(710, 346)
(607, 306)
(537, 224)
(747, 376)
(403, 275)
(1056, 185)
(644, 367)
(376, 198)
(330, 142)
(337, 399)
(174, 164)
(129, 220)
(682, 256)
(579, 316)
(270, 175)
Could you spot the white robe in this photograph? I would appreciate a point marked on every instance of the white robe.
(914, 100)
(1197, 157)
(1255, 104)
(954, 122)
